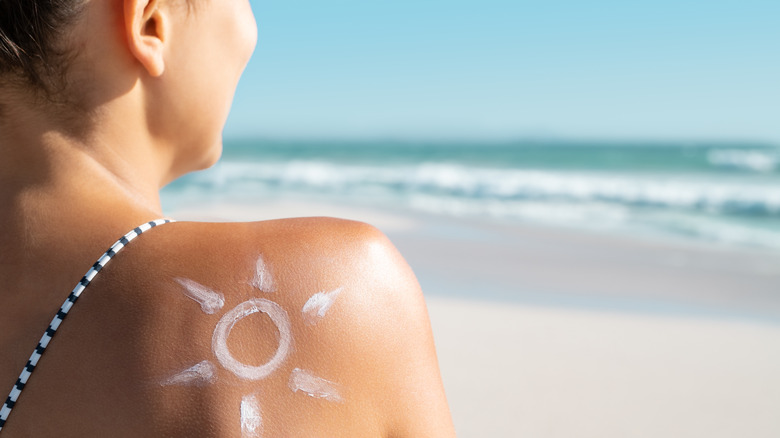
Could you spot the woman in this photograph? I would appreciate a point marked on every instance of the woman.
(300, 327)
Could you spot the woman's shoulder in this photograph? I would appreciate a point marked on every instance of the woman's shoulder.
(287, 259)
(286, 241)
(290, 259)
(292, 326)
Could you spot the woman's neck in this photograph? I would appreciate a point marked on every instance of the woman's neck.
(111, 160)
(52, 181)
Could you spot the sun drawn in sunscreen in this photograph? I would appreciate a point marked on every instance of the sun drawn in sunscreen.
(300, 381)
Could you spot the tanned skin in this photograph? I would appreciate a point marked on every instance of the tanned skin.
(151, 88)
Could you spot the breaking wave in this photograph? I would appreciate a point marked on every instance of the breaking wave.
(447, 181)
(745, 160)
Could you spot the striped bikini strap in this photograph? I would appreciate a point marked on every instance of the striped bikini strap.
(63, 312)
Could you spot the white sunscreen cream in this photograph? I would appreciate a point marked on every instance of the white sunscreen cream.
(201, 374)
(210, 302)
(318, 305)
(226, 324)
(251, 419)
(263, 279)
(313, 386)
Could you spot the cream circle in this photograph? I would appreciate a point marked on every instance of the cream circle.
(226, 324)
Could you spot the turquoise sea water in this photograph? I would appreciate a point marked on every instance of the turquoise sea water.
(727, 193)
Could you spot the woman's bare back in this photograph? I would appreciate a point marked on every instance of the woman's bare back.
(298, 327)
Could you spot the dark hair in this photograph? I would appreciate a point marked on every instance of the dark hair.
(29, 34)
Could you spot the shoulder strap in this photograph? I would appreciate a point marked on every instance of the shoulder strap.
(63, 312)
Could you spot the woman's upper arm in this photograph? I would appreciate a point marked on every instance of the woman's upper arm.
(401, 364)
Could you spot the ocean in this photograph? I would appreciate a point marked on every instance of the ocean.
(724, 193)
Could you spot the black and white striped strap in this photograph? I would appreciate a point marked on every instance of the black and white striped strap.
(63, 312)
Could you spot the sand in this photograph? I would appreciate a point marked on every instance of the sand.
(523, 371)
(544, 332)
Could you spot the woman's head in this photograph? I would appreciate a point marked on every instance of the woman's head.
(168, 67)
(29, 35)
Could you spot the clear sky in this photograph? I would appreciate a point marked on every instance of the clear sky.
(652, 69)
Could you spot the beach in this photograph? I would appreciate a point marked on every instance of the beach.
(557, 332)
(529, 371)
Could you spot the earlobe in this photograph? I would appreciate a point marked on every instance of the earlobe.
(145, 27)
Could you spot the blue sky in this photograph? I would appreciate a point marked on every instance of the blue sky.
(497, 69)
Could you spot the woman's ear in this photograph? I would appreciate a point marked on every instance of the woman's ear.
(146, 27)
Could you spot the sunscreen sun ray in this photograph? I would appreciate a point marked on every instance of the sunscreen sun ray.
(313, 386)
(210, 302)
(200, 374)
(263, 279)
(251, 418)
(318, 305)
